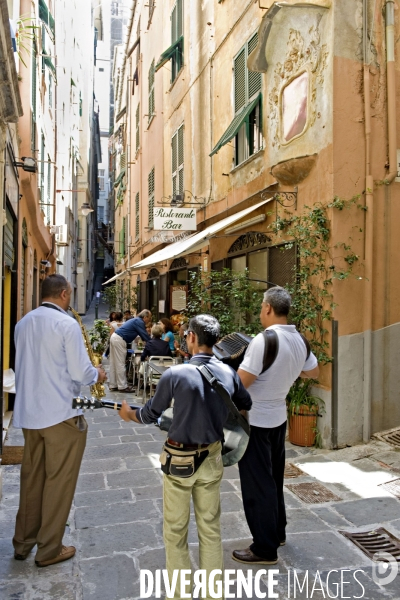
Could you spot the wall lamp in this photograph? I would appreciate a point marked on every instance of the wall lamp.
(28, 164)
(46, 263)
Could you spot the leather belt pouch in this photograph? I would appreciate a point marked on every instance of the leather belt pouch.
(181, 463)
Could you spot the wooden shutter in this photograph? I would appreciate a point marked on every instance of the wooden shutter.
(9, 240)
(137, 127)
(178, 156)
(254, 79)
(174, 31)
(48, 208)
(34, 95)
(179, 18)
(23, 281)
(137, 220)
(151, 91)
(151, 187)
(240, 80)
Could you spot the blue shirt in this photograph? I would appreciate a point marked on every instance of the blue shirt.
(169, 337)
(199, 411)
(131, 329)
(51, 363)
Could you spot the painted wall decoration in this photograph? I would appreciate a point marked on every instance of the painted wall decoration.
(292, 101)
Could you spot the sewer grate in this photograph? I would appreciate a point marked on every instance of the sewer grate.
(313, 493)
(378, 540)
(392, 486)
(392, 437)
(291, 471)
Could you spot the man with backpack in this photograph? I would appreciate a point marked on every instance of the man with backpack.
(267, 372)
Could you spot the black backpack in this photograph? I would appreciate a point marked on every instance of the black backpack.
(271, 348)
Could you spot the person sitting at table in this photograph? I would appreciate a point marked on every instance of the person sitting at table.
(156, 346)
(168, 334)
(181, 345)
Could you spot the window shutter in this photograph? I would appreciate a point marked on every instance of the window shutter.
(137, 216)
(254, 79)
(240, 80)
(180, 158)
(179, 18)
(48, 191)
(174, 31)
(151, 187)
(151, 91)
(174, 145)
(137, 127)
(124, 236)
(42, 150)
(34, 95)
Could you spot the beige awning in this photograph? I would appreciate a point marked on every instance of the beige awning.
(117, 276)
(195, 241)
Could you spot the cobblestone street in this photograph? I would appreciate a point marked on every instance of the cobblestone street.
(116, 519)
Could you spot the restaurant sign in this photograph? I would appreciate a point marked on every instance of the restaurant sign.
(173, 218)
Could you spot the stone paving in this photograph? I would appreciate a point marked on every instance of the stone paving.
(116, 520)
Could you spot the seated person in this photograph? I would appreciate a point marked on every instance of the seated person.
(156, 346)
(168, 334)
(181, 345)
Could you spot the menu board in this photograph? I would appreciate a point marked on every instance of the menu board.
(178, 297)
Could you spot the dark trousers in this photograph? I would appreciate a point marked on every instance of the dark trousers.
(261, 476)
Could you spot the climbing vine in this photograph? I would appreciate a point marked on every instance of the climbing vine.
(319, 264)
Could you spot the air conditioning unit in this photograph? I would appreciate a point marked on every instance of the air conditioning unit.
(62, 235)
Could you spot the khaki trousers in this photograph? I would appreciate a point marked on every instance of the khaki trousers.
(204, 487)
(49, 472)
(117, 374)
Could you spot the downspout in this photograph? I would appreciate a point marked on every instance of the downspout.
(391, 91)
(369, 237)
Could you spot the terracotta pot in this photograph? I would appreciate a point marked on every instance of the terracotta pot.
(302, 426)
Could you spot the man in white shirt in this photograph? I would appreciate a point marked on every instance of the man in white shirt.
(51, 363)
(263, 464)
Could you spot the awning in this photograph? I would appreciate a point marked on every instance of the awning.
(169, 53)
(195, 241)
(117, 276)
(236, 124)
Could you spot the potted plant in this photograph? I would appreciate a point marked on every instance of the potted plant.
(303, 410)
(99, 336)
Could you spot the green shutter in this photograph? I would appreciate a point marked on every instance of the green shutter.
(34, 96)
(169, 53)
(235, 125)
(254, 79)
(151, 91)
(137, 221)
(240, 80)
(174, 29)
(151, 188)
(179, 18)
(138, 127)
(48, 191)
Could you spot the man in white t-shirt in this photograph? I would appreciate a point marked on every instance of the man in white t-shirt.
(263, 464)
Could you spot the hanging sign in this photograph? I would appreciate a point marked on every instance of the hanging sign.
(173, 218)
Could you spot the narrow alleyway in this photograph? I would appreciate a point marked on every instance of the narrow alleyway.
(116, 518)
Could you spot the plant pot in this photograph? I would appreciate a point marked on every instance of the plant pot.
(302, 426)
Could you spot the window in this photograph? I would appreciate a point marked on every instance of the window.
(101, 70)
(42, 171)
(151, 10)
(151, 91)
(175, 52)
(50, 91)
(137, 220)
(100, 214)
(101, 180)
(48, 190)
(248, 139)
(138, 127)
(177, 162)
(151, 187)
(246, 125)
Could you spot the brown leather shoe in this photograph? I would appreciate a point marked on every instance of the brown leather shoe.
(66, 553)
(128, 390)
(20, 556)
(248, 557)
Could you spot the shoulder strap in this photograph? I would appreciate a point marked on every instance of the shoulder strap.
(307, 343)
(219, 388)
(271, 348)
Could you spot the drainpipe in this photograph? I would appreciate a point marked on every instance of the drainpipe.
(391, 91)
(369, 237)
